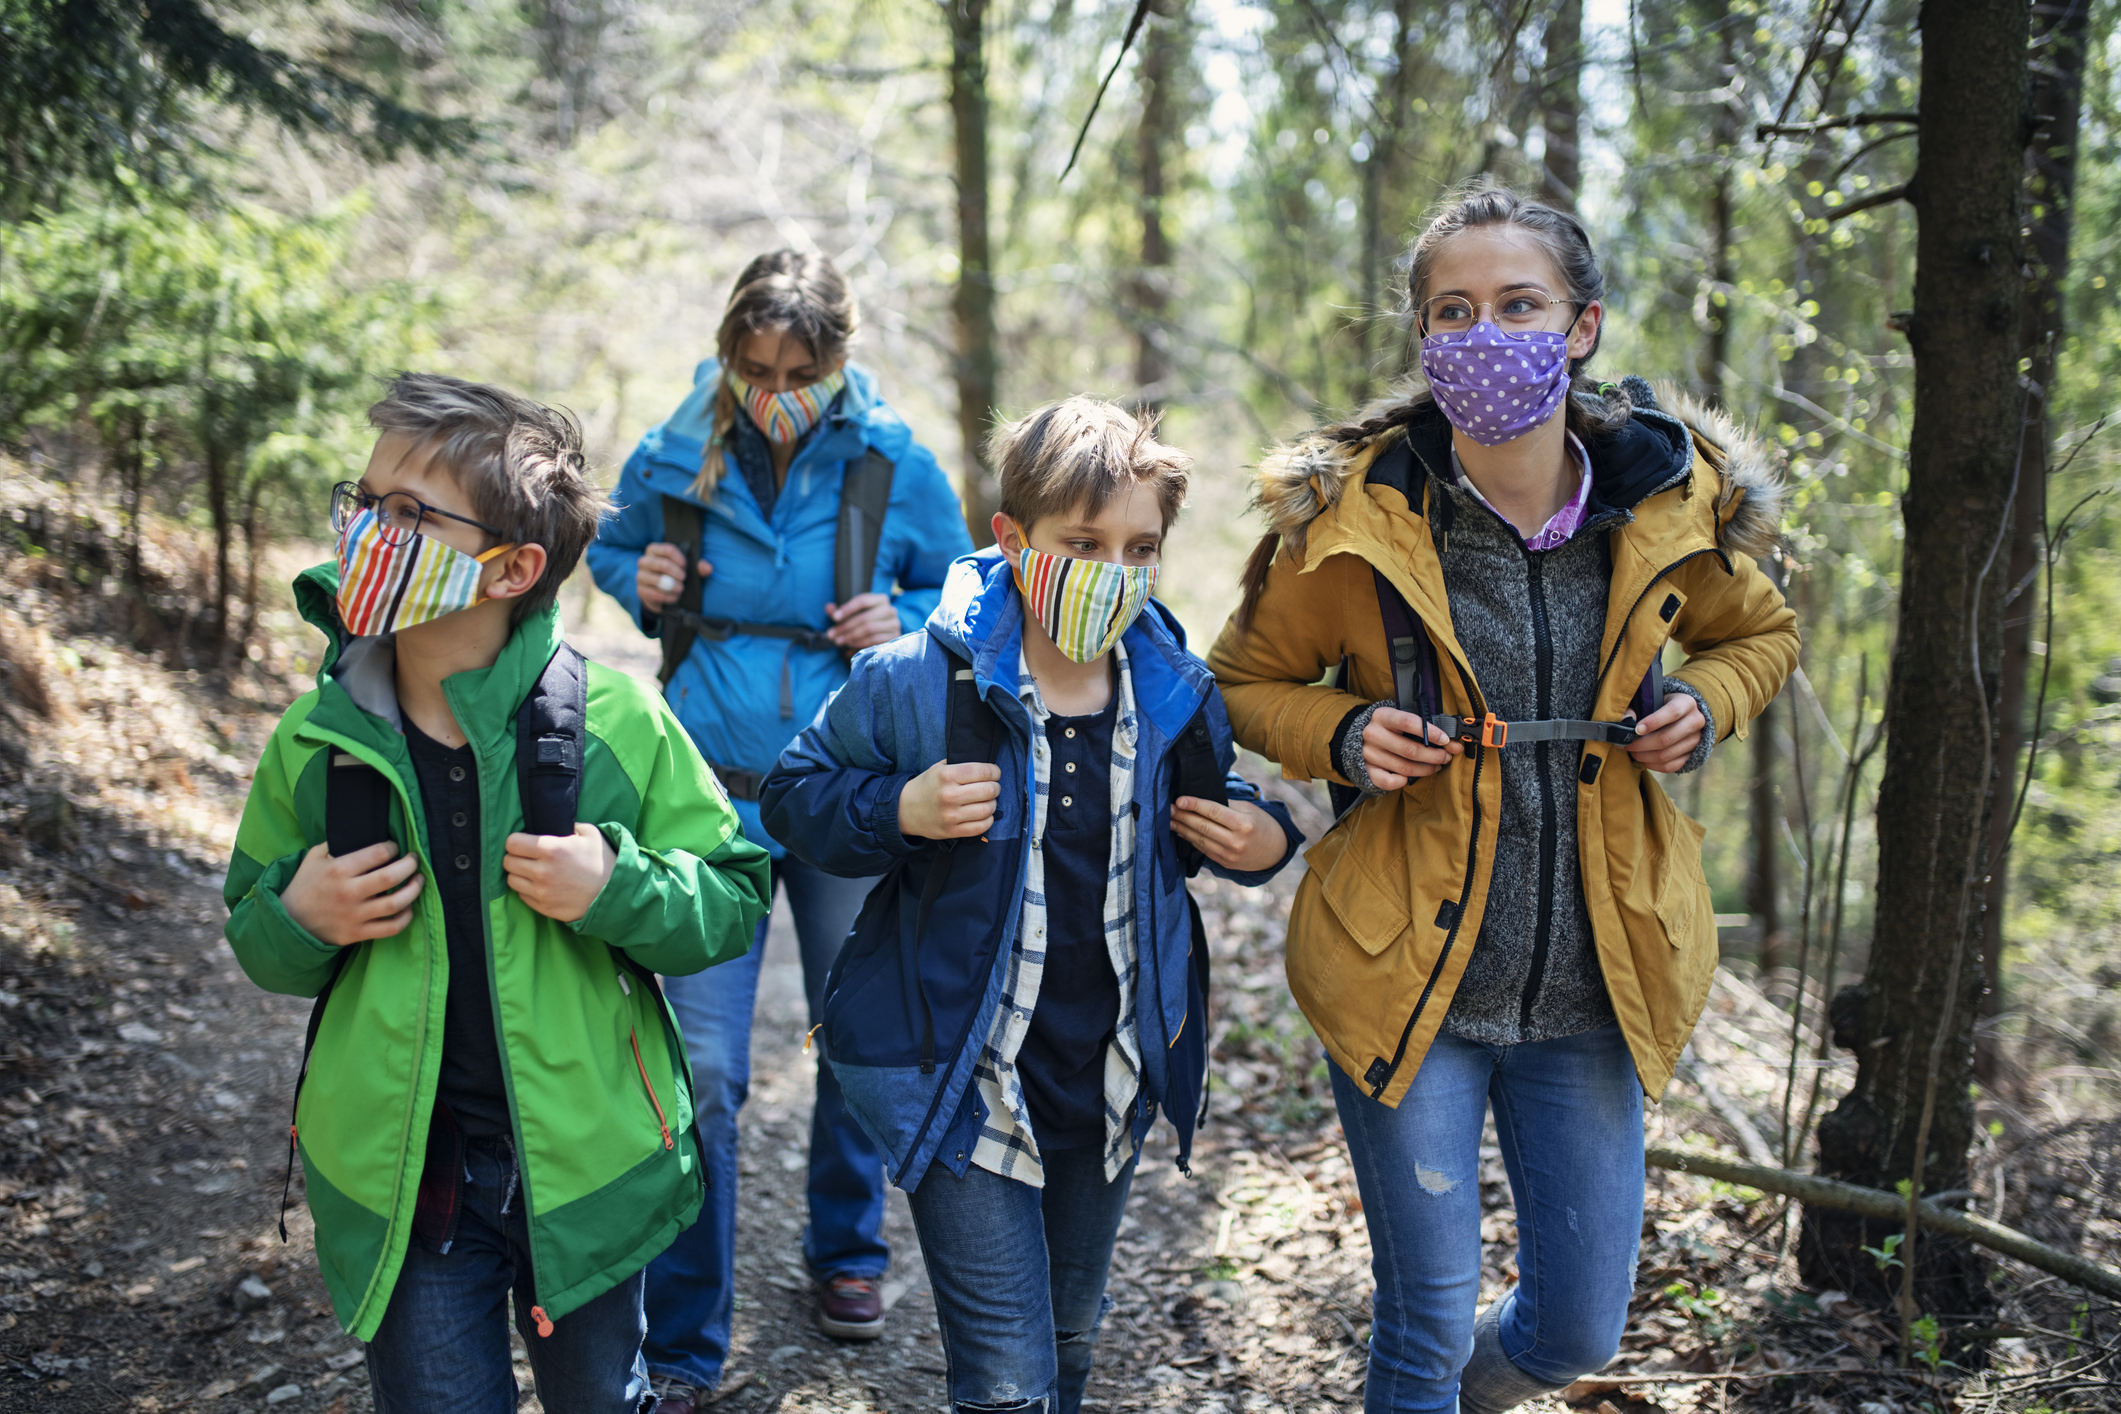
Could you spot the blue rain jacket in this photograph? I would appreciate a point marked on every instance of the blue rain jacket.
(834, 799)
(776, 569)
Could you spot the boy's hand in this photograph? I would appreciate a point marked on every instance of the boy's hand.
(660, 577)
(1667, 737)
(947, 802)
(356, 897)
(863, 622)
(1238, 836)
(1398, 747)
(559, 875)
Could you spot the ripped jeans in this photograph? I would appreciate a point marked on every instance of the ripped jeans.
(1019, 1277)
(1568, 1113)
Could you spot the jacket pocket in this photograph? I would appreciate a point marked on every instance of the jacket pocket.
(1371, 912)
(662, 1121)
(1682, 895)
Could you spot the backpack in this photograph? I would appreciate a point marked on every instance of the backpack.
(973, 733)
(551, 733)
(864, 494)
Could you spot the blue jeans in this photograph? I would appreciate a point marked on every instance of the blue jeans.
(443, 1343)
(691, 1286)
(1019, 1277)
(1568, 1113)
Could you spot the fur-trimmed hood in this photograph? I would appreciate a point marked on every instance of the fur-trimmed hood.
(1298, 482)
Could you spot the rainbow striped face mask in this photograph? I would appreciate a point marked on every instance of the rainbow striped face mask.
(385, 585)
(1085, 605)
(785, 417)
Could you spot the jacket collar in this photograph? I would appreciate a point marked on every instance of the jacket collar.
(679, 443)
(1649, 453)
(980, 618)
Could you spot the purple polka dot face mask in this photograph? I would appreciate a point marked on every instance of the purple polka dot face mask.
(1495, 387)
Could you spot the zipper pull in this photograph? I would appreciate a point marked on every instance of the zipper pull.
(625, 986)
(537, 1313)
(808, 1034)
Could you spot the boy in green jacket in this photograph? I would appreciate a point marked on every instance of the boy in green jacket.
(496, 1100)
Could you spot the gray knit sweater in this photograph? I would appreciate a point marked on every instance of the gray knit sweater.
(1530, 624)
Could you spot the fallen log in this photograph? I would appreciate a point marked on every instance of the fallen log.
(1892, 1208)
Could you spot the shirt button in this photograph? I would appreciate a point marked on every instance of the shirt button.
(463, 861)
(456, 773)
(1071, 768)
(1067, 800)
(459, 819)
(1071, 732)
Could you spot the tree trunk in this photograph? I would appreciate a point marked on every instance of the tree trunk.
(1763, 883)
(2059, 42)
(1910, 1021)
(974, 305)
(1716, 348)
(1161, 58)
(1378, 191)
(217, 470)
(1561, 107)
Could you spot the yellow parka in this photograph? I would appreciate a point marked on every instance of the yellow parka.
(1391, 907)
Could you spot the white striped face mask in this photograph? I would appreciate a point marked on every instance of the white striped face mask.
(1084, 605)
(785, 417)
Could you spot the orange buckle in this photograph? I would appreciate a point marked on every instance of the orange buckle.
(1493, 732)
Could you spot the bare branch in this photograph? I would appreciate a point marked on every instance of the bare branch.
(1763, 131)
(1134, 27)
(1884, 196)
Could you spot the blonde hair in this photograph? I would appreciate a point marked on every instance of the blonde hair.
(781, 292)
(519, 461)
(1080, 452)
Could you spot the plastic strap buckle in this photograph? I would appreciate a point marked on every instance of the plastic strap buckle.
(1494, 731)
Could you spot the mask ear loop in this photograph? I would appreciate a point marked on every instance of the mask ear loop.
(486, 558)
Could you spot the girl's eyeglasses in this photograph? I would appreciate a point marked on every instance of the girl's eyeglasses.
(1518, 311)
(399, 513)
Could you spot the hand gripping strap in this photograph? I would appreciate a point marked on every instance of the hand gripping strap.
(1493, 731)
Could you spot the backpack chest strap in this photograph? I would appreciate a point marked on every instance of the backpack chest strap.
(1493, 731)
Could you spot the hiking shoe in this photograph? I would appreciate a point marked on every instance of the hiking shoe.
(850, 1308)
(674, 1396)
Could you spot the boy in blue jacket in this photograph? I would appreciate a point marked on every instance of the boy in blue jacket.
(1026, 985)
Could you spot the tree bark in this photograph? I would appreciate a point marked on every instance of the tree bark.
(2058, 48)
(1763, 883)
(1561, 107)
(1378, 191)
(1161, 59)
(974, 303)
(1910, 1021)
(217, 488)
(1716, 347)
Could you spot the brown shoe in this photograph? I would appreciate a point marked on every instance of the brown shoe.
(674, 1396)
(850, 1308)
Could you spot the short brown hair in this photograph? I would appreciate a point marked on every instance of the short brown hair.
(519, 461)
(798, 293)
(1080, 452)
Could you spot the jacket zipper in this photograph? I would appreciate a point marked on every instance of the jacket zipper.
(1549, 833)
(1628, 617)
(660, 1121)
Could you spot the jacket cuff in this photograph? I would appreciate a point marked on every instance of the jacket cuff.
(883, 816)
(1708, 730)
(276, 911)
(1347, 748)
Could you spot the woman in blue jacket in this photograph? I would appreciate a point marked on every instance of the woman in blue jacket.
(753, 463)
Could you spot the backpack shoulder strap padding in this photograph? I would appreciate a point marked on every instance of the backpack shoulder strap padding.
(865, 493)
(1195, 773)
(683, 522)
(1415, 687)
(552, 733)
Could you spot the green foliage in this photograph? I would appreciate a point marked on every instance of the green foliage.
(1885, 1253)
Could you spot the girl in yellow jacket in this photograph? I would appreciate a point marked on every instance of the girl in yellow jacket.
(1458, 618)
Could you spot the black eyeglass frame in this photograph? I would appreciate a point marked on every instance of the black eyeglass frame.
(1421, 312)
(347, 492)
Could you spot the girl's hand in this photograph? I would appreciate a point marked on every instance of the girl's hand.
(863, 622)
(356, 897)
(559, 876)
(660, 577)
(1239, 836)
(947, 802)
(1398, 747)
(1666, 738)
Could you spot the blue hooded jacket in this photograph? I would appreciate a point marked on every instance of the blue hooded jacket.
(834, 799)
(777, 568)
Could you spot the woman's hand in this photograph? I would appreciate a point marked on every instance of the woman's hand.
(1239, 836)
(559, 876)
(1398, 747)
(863, 622)
(355, 897)
(1665, 740)
(660, 578)
(950, 802)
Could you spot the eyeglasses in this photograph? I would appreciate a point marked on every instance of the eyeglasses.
(1519, 311)
(399, 513)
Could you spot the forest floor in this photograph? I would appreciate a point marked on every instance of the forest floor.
(143, 1086)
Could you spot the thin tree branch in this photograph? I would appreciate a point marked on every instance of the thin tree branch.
(1884, 196)
(1763, 131)
(1134, 26)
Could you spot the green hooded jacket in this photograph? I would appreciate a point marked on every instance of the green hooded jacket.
(597, 1079)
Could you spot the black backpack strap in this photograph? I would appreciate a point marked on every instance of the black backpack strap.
(971, 732)
(1195, 772)
(1414, 676)
(864, 494)
(552, 732)
(683, 522)
(356, 804)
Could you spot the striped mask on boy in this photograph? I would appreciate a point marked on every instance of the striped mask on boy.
(785, 417)
(387, 583)
(1084, 605)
